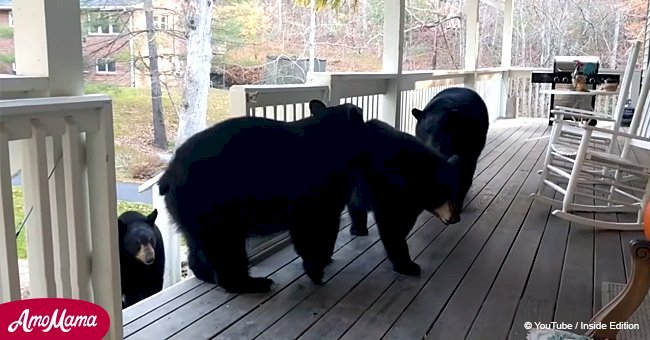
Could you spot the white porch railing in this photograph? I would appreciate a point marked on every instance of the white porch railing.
(68, 170)
(508, 93)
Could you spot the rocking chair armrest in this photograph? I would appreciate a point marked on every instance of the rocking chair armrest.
(588, 115)
(588, 112)
(614, 133)
(567, 122)
(569, 114)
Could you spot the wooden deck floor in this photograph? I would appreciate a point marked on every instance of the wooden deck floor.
(508, 261)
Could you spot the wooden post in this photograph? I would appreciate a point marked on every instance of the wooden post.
(47, 37)
(646, 45)
(170, 238)
(392, 60)
(100, 156)
(9, 275)
(506, 57)
(78, 224)
(238, 101)
(59, 217)
(38, 227)
(635, 88)
(471, 41)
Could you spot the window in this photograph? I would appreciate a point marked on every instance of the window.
(11, 19)
(104, 23)
(105, 65)
(161, 22)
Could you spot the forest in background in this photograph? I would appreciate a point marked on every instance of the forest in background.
(349, 37)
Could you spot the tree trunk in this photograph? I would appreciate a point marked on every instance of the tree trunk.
(434, 54)
(159, 135)
(617, 27)
(196, 78)
(280, 23)
(312, 36)
(279, 6)
(364, 19)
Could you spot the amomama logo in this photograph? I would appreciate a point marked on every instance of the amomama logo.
(52, 319)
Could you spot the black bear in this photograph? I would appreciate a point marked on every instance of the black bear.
(252, 175)
(455, 122)
(142, 256)
(399, 178)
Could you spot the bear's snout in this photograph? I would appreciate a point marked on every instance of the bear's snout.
(447, 213)
(146, 254)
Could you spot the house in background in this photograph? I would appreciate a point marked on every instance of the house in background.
(169, 38)
(114, 41)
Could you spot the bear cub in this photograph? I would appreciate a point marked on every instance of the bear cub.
(399, 179)
(142, 256)
(455, 122)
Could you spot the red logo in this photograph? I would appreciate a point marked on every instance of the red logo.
(52, 319)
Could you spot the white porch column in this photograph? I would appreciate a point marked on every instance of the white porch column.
(392, 59)
(471, 40)
(47, 38)
(506, 57)
(506, 50)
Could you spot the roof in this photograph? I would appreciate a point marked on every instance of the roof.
(90, 3)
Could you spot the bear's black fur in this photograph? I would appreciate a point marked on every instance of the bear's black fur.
(401, 177)
(142, 256)
(455, 122)
(253, 175)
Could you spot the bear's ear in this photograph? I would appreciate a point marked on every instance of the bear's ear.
(417, 113)
(317, 107)
(151, 219)
(354, 112)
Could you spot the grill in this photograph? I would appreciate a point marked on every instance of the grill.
(561, 78)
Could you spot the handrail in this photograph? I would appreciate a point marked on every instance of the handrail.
(150, 182)
(12, 86)
(13, 107)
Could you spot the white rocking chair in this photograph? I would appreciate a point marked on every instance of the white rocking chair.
(584, 158)
(614, 174)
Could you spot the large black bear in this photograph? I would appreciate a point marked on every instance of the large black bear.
(253, 175)
(399, 178)
(142, 256)
(455, 122)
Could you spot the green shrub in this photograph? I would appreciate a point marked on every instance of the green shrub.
(6, 32)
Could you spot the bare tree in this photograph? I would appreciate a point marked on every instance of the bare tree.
(312, 36)
(196, 75)
(160, 137)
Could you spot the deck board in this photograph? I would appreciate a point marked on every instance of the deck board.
(379, 318)
(575, 298)
(456, 319)
(508, 261)
(498, 310)
(429, 302)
